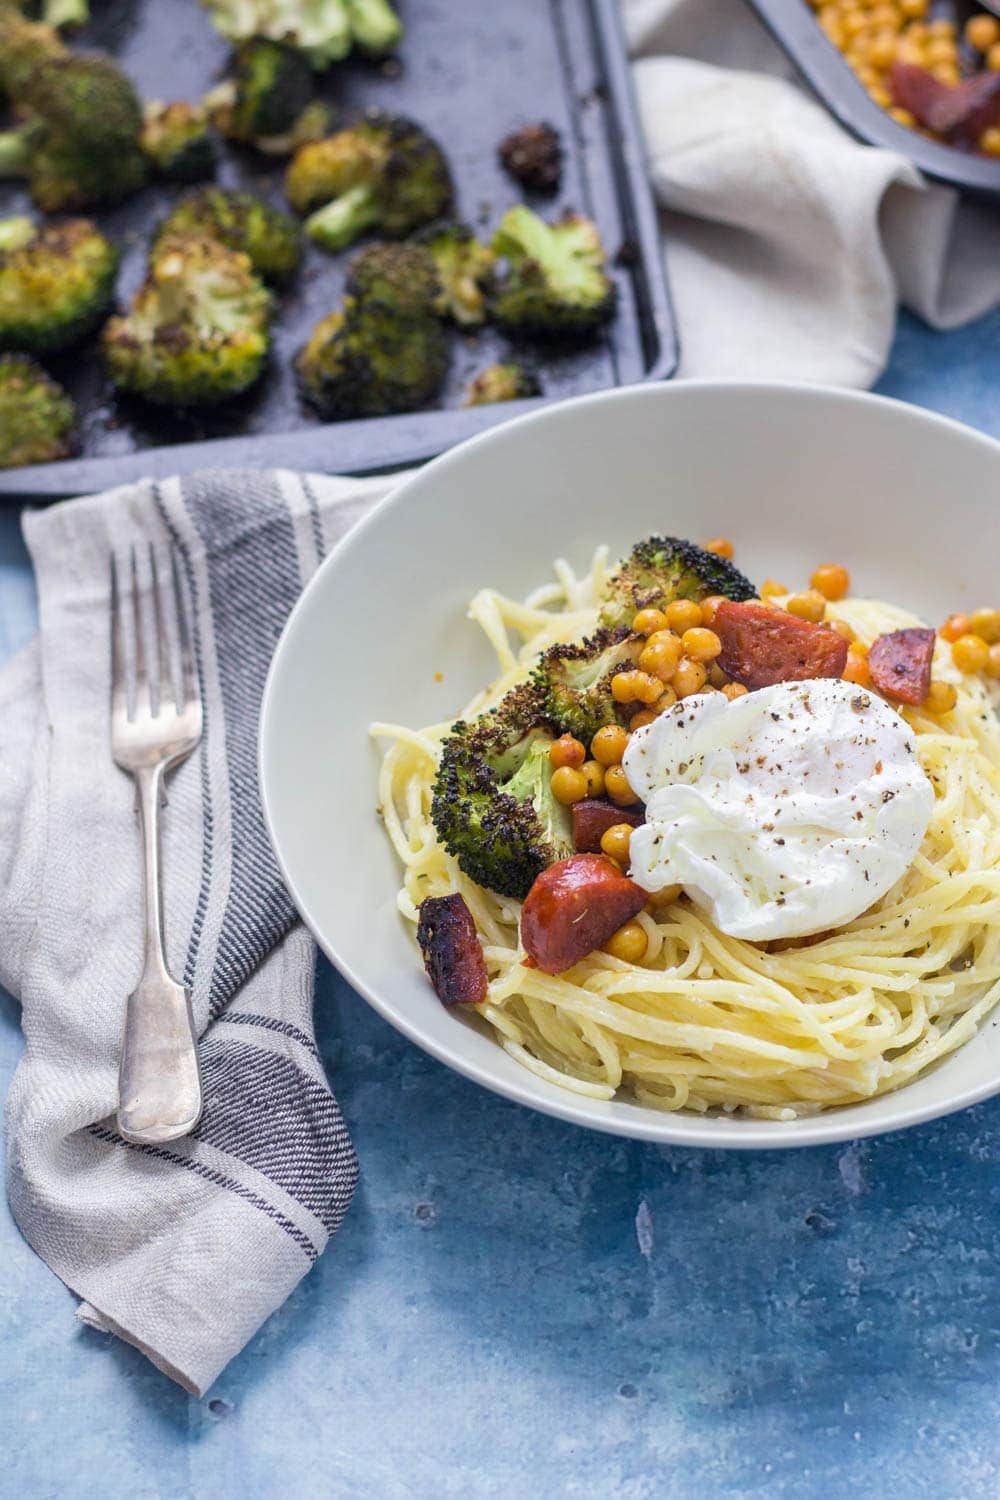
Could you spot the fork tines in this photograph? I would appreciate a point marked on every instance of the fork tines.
(144, 681)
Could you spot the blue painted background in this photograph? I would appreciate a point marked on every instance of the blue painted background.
(515, 1308)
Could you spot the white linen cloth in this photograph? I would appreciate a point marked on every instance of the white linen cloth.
(788, 244)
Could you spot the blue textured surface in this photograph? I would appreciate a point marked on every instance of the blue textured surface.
(517, 1308)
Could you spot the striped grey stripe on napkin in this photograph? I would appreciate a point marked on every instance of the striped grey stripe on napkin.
(182, 1249)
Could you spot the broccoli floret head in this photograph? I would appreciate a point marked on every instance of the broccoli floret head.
(176, 138)
(465, 270)
(502, 382)
(574, 681)
(664, 568)
(79, 141)
(196, 333)
(270, 86)
(385, 174)
(36, 415)
(320, 29)
(375, 26)
(270, 239)
(24, 46)
(56, 282)
(384, 350)
(556, 281)
(61, 13)
(493, 806)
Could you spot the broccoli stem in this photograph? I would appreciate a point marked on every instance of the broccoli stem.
(340, 223)
(15, 153)
(66, 12)
(375, 25)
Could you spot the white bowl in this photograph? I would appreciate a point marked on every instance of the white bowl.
(795, 475)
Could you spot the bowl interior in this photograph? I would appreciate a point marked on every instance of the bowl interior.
(794, 475)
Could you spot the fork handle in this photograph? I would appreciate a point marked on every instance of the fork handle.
(159, 1082)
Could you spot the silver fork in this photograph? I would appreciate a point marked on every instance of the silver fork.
(152, 731)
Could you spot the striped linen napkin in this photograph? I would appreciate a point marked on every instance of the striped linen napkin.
(182, 1249)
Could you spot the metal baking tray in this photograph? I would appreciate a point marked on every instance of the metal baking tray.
(794, 26)
(470, 73)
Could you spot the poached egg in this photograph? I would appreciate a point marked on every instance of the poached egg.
(783, 813)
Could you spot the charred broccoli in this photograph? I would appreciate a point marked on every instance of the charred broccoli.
(56, 282)
(375, 26)
(176, 139)
(196, 332)
(533, 156)
(574, 681)
(493, 806)
(24, 46)
(269, 238)
(384, 173)
(556, 281)
(78, 143)
(465, 270)
(36, 415)
(502, 382)
(268, 101)
(384, 350)
(664, 568)
(320, 29)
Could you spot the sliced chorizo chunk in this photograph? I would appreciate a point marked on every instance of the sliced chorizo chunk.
(959, 112)
(573, 907)
(593, 817)
(900, 664)
(453, 954)
(762, 646)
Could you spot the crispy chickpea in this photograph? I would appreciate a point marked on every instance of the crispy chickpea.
(682, 614)
(567, 751)
(772, 589)
(947, 73)
(831, 580)
(982, 32)
(709, 607)
(734, 690)
(569, 785)
(635, 687)
(880, 94)
(993, 58)
(615, 841)
(660, 900)
(859, 649)
(594, 772)
(954, 626)
(642, 718)
(689, 678)
(989, 141)
(649, 621)
(809, 606)
(986, 622)
(903, 117)
(941, 697)
(856, 670)
(701, 644)
(667, 699)
(941, 27)
(843, 630)
(608, 745)
(721, 546)
(661, 655)
(993, 665)
(629, 943)
(883, 50)
(617, 787)
(970, 653)
(913, 10)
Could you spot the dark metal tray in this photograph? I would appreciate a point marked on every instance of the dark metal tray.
(793, 24)
(470, 72)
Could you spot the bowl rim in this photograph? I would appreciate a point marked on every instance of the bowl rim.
(673, 1129)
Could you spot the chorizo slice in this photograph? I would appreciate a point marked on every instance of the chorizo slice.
(900, 664)
(573, 907)
(593, 817)
(453, 954)
(959, 112)
(763, 646)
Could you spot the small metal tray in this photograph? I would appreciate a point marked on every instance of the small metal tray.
(794, 26)
(470, 73)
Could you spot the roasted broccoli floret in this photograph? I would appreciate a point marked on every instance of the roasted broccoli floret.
(556, 282)
(177, 140)
(574, 681)
(502, 382)
(78, 143)
(375, 26)
(493, 806)
(533, 156)
(24, 46)
(56, 282)
(465, 270)
(384, 173)
(384, 350)
(64, 12)
(36, 415)
(320, 29)
(264, 100)
(269, 238)
(196, 332)
(664, 568)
